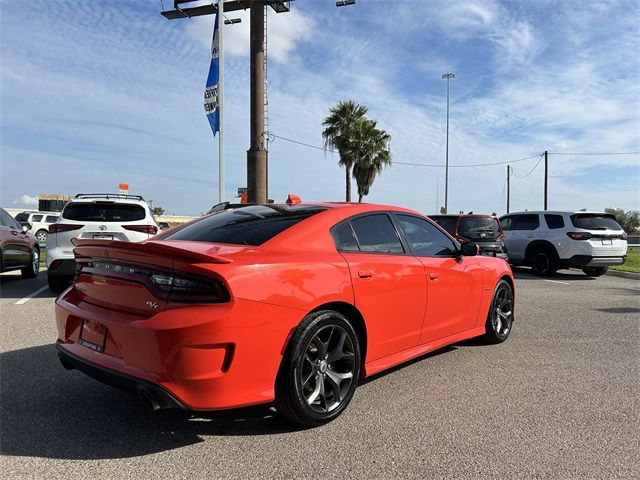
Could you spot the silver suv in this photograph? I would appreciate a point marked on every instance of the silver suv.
(549, 240)
(126, 218)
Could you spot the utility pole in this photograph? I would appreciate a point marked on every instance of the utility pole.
(546, 177)
(508, 186)
(448, 77)
(221, 101)
(257, 155)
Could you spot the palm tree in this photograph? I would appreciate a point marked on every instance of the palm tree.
(338, 134)
(371, 154)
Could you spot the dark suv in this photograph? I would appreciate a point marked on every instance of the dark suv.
(483, 230)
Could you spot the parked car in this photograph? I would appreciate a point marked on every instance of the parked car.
(549, 240)
(286, 302)
(484, 230)
(164, 226)
(126, 218)
(39, 221)
(18, 248)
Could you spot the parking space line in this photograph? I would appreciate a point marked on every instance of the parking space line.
(524, 276)
(31, 295)
(557, 281)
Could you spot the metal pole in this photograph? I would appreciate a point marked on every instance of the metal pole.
(257, 155)
(221, 100)
(448, 76)
(508, 186)
(546, 177)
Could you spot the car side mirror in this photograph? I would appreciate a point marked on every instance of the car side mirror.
(26, 227)
(469, 249)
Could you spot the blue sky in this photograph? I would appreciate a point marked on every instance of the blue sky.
(98, 93)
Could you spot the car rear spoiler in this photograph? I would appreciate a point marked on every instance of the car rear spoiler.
(88, 247)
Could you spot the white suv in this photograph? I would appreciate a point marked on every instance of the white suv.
(106, 216)
(40, 223)
(547, 241)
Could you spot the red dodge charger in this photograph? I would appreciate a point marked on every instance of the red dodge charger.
(288, 303)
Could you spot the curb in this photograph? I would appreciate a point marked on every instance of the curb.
(621, 274)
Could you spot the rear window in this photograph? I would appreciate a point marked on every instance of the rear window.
(595, 221)
(479, 228)
(252, 225)
(445, 222)
(103, 212)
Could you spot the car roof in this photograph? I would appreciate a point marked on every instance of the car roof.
(104, 200)
(453, 215)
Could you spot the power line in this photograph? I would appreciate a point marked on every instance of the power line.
(297, 142)
(532, 170)
(599, 154)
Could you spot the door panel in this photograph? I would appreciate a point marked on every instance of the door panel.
(454, 294)
(390, 292)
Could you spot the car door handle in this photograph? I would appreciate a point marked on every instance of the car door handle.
(365, 273)
(434, 276)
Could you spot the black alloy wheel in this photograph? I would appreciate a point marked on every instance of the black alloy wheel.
(320, 369)
(500, 318)
(544, 263)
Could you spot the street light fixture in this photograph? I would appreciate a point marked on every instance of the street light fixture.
(344, 3)
(448, 77)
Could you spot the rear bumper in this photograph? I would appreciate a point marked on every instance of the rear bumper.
(581, 261)
(204, 357)
(155, 395)
(493, 249)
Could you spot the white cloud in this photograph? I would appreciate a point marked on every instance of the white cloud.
(285, 31)
(27, 201)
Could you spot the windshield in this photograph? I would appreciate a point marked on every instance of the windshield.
(479, 228)
(103, 212)
(595, 221)
(445, 222)
(251, 225)
(22, 217)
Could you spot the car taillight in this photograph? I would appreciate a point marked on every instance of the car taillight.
(150, 229)
(579, 235)
(63, 227)
(181, 289)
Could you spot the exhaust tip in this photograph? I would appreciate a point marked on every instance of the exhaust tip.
(150, 402)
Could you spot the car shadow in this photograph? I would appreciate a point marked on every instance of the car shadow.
(47, 411)
(525, 273)
(12, 285)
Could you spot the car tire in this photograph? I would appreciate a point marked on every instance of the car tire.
(41, 236)
(500, 317)
(57, 283)
(31, 270)
(595, 271)
(319, 371)
(544, 262)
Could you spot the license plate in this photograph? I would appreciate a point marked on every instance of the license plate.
(103, 237)
(607, 242)
(93, 335)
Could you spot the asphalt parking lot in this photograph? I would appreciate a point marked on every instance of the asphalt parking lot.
(559, 399)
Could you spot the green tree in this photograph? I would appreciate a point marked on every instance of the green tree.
(629, 221)
(371, 154)
(158, 211)
(338, 134)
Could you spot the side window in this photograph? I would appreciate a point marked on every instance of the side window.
(525, 222)
(425, 239)
(51, 219)
(36, 218)
(376, 234)
(554, 221)
(505, 222)
(344, 239)
(8, 221)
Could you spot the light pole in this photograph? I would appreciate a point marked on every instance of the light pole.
(448, 76)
